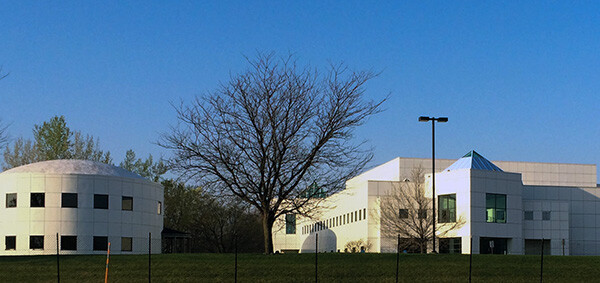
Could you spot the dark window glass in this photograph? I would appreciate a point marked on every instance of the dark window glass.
(290, 223)
(159, 208)
(69, 200)
(450, 245)
(10, 242)
(356, 216)
(528, 215)
(68, 243)
(495, 208)
(422, 213)
(127, 203)
(11, 200)
(364, 213)
(37, 199)
(101, 201)
(403, 213)
(100, 243)
(36, 242)
(126, 244)
(447, 208)
(546, 215)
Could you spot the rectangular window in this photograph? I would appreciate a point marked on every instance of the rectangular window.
(37, 199)
(127, 203)
(356, 216)
(495, 205)
(68, 243)
(36, 242)
(403, 213)
(351, 217)
(159, 208)
(447, 208)
(546, 215)
(290, 223)
(100, 243)
(126, 244)
(101, 201)
(528, 215)
(69, 200)
(364, 213)
(422, 213)
(10, 242)
(450, 246)
(11, 200)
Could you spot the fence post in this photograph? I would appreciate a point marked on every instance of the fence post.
(149, 257)
(470, 258)
(316, 257)
(107, 256)
(397, 258)
(236, 252)
(57, 259)
(542, 263)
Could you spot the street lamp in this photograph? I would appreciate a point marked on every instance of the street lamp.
(433, 120)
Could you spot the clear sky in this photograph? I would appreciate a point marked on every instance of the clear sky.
(519, 81)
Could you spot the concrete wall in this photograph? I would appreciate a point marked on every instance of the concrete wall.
(85, 222)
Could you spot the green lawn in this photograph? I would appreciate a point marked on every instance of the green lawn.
(300, 268)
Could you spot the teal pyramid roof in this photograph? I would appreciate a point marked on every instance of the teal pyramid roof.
(473, 160)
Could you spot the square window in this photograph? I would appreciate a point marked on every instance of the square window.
(101, 201)
(68, 243)
(11, 200)
(10, 242)
(546, 215)
(403, 213)
(100, 243)
(528, 215)
(422, 213)
(36, 242)
(69, 200)
(37, 199)
(126, 244)
(127, 203)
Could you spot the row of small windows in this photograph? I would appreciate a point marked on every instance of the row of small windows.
(69, 200)
(68, 243)
(339, 220)
(528, 215)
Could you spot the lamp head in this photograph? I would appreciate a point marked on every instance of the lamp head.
(424, 119)
(442, 119)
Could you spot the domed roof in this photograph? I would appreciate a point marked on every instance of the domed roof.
(73, 166)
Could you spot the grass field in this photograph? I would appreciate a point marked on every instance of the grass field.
(300, 268)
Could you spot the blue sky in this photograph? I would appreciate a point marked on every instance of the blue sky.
(518, 80)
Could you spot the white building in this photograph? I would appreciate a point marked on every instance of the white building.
(508, 210)
(87, 204)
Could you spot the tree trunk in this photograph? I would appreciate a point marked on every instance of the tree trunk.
(267, 222)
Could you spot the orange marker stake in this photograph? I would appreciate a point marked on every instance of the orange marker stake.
(107, 256)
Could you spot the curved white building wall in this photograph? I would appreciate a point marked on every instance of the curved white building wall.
(88, 180)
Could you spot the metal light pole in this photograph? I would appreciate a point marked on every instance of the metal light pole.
(433, 120)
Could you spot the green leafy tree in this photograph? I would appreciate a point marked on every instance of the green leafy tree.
(54, 140)
(145, 168)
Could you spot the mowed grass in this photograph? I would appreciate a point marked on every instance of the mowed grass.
(301, 268)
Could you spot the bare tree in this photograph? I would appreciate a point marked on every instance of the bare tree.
(272, 131)
(407, 213)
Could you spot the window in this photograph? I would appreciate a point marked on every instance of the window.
(447, 208)
(11, 200)
(37, 199)
(126, 244)
(159, 208)
(10, 242)
(422, 213)
(495, 208)
(100, 243)
(101, 201)
(68, 243)
(356, 216)
(127, 203)
(546, 215)
(36, 242)
(69, 200)
(364, 213)
(290, 223)
(450, 245)
(528, 215)
(403, 213)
